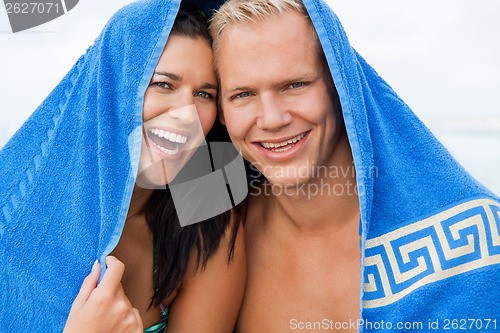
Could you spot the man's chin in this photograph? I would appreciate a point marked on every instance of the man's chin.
(284, 186)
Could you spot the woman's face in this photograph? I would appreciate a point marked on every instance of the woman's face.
(179, 109)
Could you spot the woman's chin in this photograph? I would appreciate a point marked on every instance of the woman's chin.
(155, 177)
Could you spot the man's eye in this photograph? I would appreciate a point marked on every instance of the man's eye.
(205, 95)
(241, 95)
(296, 85)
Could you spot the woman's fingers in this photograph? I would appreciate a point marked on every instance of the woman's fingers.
(116, 303)
(112, 279)
(88, 285)
(104, 308)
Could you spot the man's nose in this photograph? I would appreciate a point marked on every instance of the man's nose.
(273, 113)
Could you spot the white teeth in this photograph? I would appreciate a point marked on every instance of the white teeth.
(176, 138)
(167, 151)
(283, 149)
(275, 146)
(180, 139)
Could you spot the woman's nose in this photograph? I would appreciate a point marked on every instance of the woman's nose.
(183, 98)
(184, 110)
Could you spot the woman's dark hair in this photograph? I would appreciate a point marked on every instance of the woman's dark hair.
(191, 22)
(173, 244)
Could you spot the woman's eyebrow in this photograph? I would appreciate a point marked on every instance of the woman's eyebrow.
(171, 76)
(208, 86)
(176, 77)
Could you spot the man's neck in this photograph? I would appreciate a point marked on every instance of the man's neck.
(327, 201)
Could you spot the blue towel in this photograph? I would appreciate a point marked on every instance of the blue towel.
(67, 175)
(430, 232)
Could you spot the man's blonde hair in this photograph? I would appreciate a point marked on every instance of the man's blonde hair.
(250, 11)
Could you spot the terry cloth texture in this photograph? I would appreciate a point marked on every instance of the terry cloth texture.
(430, 232)
(67, 175)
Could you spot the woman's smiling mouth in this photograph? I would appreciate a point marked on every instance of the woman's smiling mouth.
(169, 143)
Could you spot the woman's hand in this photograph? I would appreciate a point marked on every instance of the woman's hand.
(103, 307)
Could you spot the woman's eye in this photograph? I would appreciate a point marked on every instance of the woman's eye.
(164, 85)
(205, 95)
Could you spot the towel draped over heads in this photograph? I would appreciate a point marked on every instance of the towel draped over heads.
(67, 175)
(430, 236)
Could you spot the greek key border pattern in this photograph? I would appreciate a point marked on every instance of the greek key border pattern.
(457, 240)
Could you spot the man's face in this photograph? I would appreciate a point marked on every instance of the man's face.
(278, 103)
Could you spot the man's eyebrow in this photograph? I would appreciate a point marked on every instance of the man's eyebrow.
(236, 89)
(171, 76)
(299, 78)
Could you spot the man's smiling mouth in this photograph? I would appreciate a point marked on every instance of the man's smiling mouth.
(168, 142)
(284, 145)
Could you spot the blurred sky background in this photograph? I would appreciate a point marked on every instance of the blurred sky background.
(441, 56)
